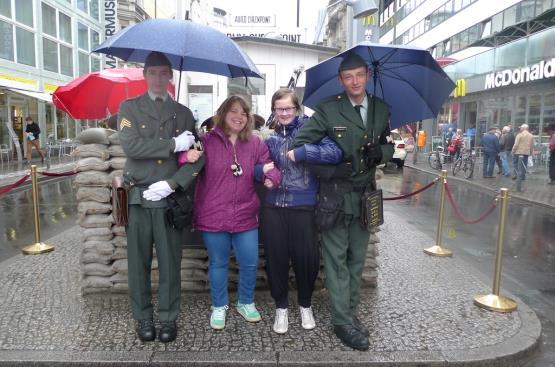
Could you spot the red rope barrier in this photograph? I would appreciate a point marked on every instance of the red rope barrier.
(5, 189)
(460, 215)
(404, 196)
(60, 174)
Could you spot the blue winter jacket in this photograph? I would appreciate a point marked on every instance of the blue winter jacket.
(490, 142)
(298, 186)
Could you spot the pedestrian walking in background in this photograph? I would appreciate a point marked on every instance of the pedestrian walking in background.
(153, 128)
(289, 229)
(506, 143)
(490, 144)
(552, 154)
(226, 205)
(358, 122)
(498, 156)
(33, 131)
(522, 150)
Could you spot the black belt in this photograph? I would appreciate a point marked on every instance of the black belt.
(359, 188)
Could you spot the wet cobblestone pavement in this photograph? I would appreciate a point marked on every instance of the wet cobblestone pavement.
(421, 313)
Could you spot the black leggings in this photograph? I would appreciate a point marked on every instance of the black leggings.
(290, 234)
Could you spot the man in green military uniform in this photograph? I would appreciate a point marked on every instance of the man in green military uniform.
(363, 135)
(153, 128)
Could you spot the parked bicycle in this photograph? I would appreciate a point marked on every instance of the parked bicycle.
(438, 158)
(464, 162)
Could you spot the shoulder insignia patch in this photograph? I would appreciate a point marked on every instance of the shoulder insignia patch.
(124, 123)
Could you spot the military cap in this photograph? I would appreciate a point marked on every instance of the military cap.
(156, 58)
(352, 61)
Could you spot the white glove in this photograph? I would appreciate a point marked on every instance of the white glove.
(184, 141)
(157, 191)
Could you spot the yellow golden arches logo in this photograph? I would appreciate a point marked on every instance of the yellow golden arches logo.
(460, 90)
(369, 20)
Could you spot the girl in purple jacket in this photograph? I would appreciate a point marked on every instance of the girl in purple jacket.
(226, 205)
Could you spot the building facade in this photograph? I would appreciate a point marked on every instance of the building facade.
(500, 54)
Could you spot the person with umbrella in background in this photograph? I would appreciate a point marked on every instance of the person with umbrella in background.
(153, 128)
(358, 122)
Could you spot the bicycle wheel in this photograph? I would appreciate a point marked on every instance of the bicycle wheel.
(433, 161)
(468, 168)
(457, 166)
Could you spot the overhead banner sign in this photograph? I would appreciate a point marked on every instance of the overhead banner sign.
(257, 20)
(541, 70)
(110, 28)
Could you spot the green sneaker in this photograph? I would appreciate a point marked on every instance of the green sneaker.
(249, 312)
(217, 318)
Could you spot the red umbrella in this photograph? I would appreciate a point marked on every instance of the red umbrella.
(98, 95)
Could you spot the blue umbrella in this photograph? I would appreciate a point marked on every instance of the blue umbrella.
(188, 46)
(407, 78)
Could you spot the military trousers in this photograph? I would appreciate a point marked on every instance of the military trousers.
(148, 227)
(344, 252)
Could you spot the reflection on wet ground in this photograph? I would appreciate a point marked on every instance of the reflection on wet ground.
(529, 246)
(58, 212)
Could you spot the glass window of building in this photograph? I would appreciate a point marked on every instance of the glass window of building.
(548, 115)
(82, 5)
(486, 29)
(95, 39)
(6, 41)
(525, 10)
(6, 8)
(94, 9)
(24, 12)
(84, 66)
(534, 109)
(95, 64)
(83, 36)
(543, 5)
(497, 23)
(65, 27)
(25, 46)
(48, 20)
(66, 60)
(50, 55)
(457, 5)
(541, 46)
(511, 55)
(520, 111)
(509, 16)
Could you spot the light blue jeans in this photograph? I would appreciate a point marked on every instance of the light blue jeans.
(505, 158)
(245, 247)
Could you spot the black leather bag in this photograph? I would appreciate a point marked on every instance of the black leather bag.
(179, 213)
(330, 205)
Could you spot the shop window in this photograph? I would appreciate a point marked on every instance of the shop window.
(65, 27)
(50, 55)
(48, 20)
(6, 8)
(534, 108)
(25, 46)
(6, 41)
(520, 111)
(66, 60)
(83, 36)
(24, 12)
(548, 116)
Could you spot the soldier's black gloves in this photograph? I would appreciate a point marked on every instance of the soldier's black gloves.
(328, 171)
(372, 154)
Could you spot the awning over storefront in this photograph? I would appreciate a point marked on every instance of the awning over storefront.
(46, 97)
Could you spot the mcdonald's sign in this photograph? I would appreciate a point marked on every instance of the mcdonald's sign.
(460, 90)
(369, 20)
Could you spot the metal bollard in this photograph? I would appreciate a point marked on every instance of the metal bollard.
(38, 247)
(495, 302)
(438, 250)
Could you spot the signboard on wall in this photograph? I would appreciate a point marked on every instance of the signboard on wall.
(110, 28)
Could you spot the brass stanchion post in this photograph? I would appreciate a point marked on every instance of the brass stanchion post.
(38, 247)
(495, 302)
(438, 250)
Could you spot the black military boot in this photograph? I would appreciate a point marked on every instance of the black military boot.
(360, 326)
(145, 330)
(351, 337)
(168, 331)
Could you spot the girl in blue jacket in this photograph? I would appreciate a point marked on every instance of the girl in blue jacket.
(288, 225)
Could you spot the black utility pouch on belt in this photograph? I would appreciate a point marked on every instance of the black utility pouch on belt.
(371, 210)
(179, 213)
(329, 209)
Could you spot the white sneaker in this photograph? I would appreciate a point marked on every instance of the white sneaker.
(307, 318)
(281, 323)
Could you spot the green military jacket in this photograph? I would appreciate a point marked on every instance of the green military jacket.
(146, 136)
(335, 117)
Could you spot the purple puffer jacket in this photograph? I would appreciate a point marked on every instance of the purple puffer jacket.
(224, 202)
